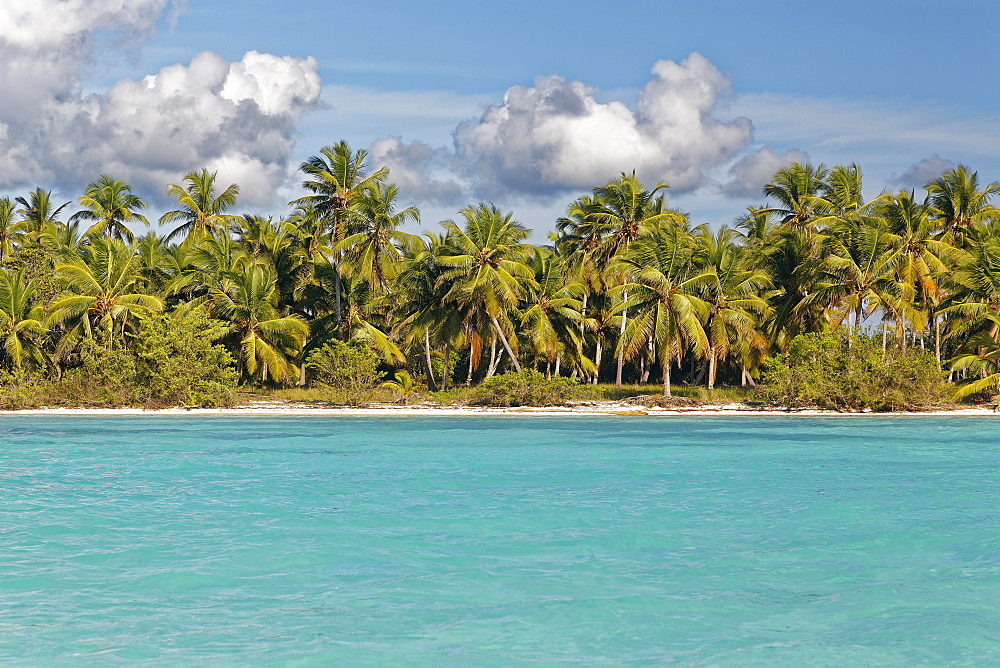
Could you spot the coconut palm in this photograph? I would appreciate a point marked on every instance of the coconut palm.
(247, 300)
(335, 177)
(8, 228)
(859, 273)
(973, 305)
(625, 208)
(201, 208)
(923, 258)
(37, 211)
(983, 361)
(403, 385)
(103, 289)
(959, 202)
(21, 316)
(424, 317)
(732, 289)
(798, 191)
(111, 205)
(371, 249)
(668, 314)
(551, 317)
(487, 258)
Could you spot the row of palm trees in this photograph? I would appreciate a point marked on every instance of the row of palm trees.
(626, 285)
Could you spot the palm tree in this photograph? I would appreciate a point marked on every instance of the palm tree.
(21, 318)
(366, 318)
(247, 299)
(487, 261)
(8, 228)
(626, 209)
(103, 289)
(983, 361)
(551, 315)
(422, 314)
(668, 312)
(371, 250)
(403, 385)
(111, 205)
(732, 288)
(860, 273)
(959, 203)
(37, 211)
(335, 177)
(798, 190)
(201, 210)
(923, 257)
(973, 305)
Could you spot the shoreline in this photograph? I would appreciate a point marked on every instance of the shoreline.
(602, 409)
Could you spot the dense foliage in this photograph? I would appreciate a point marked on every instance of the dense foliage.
(823, 370)
(627, 290)
(526, 388)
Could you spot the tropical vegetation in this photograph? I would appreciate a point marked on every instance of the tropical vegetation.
(341, 292)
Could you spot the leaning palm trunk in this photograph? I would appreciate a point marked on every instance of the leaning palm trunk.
(621, 345)
(428, 369)
(506, 343)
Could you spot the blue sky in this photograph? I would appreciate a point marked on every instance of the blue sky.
(903, 88)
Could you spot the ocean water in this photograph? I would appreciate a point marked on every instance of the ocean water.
(496, 541)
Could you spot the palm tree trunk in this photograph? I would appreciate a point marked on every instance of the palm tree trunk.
(444, 372)
(506, 343)
(337, 290)
(667, 363)
(598, 354)
(428, 370)
(621, 346)
(937, 337)
(491, 367)
(711, 368)
(468, 376)
(558, 361)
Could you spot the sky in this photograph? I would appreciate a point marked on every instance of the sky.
(525, 104)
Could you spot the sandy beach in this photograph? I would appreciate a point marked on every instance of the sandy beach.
(594, 409)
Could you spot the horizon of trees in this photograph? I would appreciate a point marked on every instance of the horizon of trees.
(625, 290)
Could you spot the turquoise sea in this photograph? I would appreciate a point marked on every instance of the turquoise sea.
(481, 541)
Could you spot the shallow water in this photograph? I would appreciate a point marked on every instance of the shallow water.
(481, 540)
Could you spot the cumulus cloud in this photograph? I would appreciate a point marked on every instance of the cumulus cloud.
(419, 169)
(556, 136)
(749, 174)
(235, 117)
(920, 173)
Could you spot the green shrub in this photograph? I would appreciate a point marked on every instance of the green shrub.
(179, 363)
(22, 389)
(349, 370)
(169, 361)
(527, 388)
(828, 371)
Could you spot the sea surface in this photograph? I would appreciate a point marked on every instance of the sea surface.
(824, 541)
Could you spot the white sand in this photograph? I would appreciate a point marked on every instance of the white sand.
(388, 410)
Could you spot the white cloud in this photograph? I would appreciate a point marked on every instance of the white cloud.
(236, 117)
(749, 174)
(923, 171)
(419, 170)
(557, 137)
